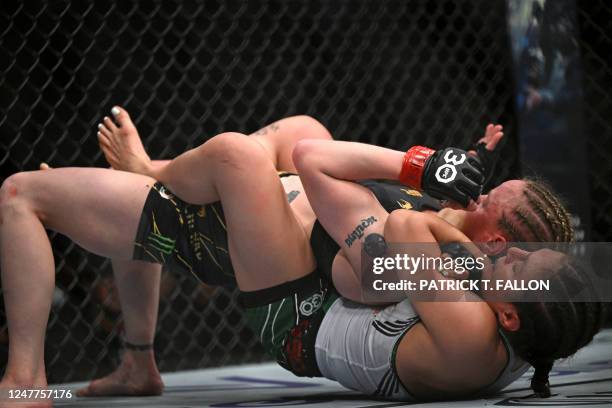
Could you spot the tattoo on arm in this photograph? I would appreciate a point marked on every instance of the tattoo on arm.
(375, 245)
(359, 229)
(292, 195)
(270, 128)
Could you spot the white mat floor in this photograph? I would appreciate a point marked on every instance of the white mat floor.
(585, 380)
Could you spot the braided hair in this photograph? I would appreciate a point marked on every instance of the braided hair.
(543, 219)
(553, 330)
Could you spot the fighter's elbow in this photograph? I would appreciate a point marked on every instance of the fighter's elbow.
(306, 155)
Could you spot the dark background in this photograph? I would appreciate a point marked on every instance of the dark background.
(393, 73)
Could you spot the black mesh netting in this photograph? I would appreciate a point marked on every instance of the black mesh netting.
(595, 19)
(391, 73)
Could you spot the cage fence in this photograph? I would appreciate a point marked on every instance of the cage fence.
(393, 74)
(595, 24)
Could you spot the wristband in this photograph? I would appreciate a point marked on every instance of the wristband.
(414, 165)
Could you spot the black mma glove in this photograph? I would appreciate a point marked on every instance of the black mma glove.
(449, 174)
(453, 174)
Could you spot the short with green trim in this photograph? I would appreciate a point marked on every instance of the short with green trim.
(191, 238)
(287, 318)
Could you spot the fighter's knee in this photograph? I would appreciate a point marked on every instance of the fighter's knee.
(12, 195)
(11, 186)
(236, 149)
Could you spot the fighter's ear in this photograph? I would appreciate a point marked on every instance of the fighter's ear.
(507, 315)
(495, 245)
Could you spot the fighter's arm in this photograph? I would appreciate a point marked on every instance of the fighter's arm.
(457, 342)
(348, 211)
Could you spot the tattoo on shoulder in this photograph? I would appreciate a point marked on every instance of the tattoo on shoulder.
(292, 195)
(270, 128)
(359, 230)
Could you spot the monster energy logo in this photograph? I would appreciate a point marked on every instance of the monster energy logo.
(162, 244)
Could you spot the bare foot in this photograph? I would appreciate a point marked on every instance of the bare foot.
(137, 375)
(121, 144)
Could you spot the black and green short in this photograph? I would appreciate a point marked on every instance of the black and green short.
(287, 318)
(192, 238)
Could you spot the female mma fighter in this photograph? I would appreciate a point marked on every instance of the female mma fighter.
(114, 202)
(119, 140)
(323, 173)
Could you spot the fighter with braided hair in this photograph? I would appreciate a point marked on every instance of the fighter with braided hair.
(493, 212)
(548, 330)
(544, 219)
(266, 228)
(536, 332)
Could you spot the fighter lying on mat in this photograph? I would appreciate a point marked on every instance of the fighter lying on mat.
(233, 168)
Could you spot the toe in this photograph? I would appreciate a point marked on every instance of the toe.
(104, 130)
(121, 116)
(109, 124)
(104, 140)
(107, 147)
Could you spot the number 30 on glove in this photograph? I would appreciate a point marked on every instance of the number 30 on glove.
(449, 174)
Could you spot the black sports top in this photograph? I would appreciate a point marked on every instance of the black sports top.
(391, 196)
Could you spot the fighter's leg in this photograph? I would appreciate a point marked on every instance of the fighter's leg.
(99, 209)
(122, 146)
(138, 283)
(268, 245)
(279, 138)
(143, 278)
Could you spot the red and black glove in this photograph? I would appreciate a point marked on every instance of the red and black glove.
(448, 174)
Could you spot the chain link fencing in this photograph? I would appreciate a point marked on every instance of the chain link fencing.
(595, 21)
(391, 73)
